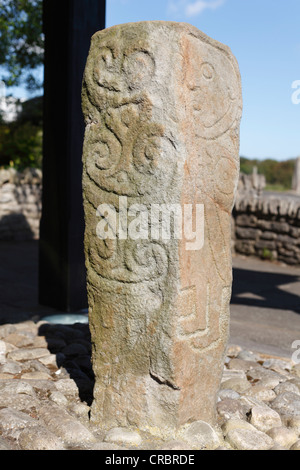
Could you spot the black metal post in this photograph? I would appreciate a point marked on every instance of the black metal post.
(68, 27)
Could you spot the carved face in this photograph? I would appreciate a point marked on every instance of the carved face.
(208, 81)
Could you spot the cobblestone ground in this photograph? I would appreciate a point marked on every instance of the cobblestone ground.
(46, 386)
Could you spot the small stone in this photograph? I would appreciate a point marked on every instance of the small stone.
(5, 330)
(2, 359)
(261, 393)
(27, 354)
(10, 347)
(67, 387)
(295, 381)
(4, 376)
(63, 425)
(36, 375)
(264, 418)
(246, 439)
(16, 386)
(296, 370)
(292, 422)
(18, 340)
(240, 364)
(296, 446)
(249, 402)
(18, 401)
(236, 384)
(283, 436)
(286, 387)
(13, 421)
(58, 398)
(260, 373)
(287, 403)
(248, 356)
(268, 382)
(123, 436)
(11, 367)
(40, 342)
(50, 360)
(5, 445)
(233, 374)
(229, 408)
(227, 393)
(234, 423)
(39, 438)
(27, 327)
(43, 386)
(201, 435)
(2, 347)
(277, 363)
(233, 350)
(81, 410)
(34, 365)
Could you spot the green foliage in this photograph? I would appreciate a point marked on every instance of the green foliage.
(278, 174)
(266, 254)
(21, 141)
(21, 41)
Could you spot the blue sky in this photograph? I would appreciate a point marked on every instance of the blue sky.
(264, 35)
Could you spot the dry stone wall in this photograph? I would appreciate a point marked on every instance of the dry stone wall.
(20, 204)
(267, 226)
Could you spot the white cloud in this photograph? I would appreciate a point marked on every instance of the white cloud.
(193, 8)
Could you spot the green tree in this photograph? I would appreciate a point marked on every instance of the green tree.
(21, 42)
(21, 141)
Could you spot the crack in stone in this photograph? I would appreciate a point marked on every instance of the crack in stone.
(162, 381)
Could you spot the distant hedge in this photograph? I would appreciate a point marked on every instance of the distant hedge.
(276, 173)
(21, 141)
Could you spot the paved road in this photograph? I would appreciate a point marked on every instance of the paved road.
(265, 306)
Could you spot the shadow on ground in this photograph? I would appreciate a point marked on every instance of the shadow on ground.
(265, 289)
(72, 346)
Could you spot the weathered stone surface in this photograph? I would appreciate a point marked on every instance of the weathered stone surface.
(283, 437)
(27, 354)
(248, 439)
(264, 418)
(123, 436)
(286, 387)
(201, 435)
(236, 384)
(63, 425)
(5, 445)
(230, 408)
(162, 105)
(287, 403)
(235, 423)
(261, 393)
(12, 422)
(296, 446)
(39, 438)
(227, 393)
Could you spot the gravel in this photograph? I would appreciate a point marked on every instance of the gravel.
(46, 390)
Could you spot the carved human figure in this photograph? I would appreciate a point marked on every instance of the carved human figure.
(162, 104)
